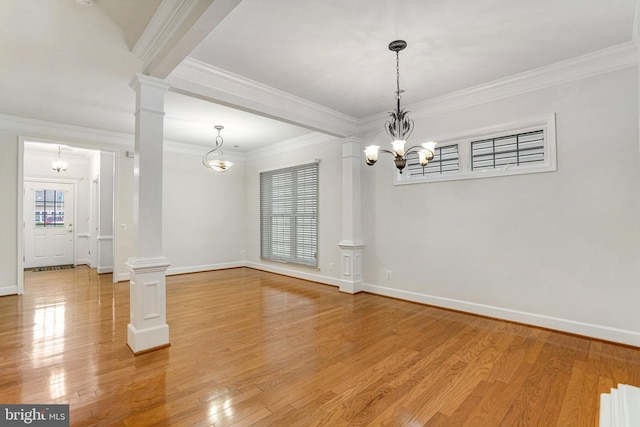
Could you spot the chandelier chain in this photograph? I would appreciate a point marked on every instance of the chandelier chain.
(398, 74)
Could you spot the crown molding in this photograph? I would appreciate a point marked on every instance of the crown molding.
(41, 130)
(165, 24)
(197, 149)
(201, 80)
(286, 146)
(592, 64)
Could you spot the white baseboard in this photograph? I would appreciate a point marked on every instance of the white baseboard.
(8, 290)
(313, 277)
(123, 277)
(565, 325)
(82, 262)
(201, 268)
(104, 270)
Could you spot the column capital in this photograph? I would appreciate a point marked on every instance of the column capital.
(347, 244)
(143, 80)
(147, 265)
(351, 147)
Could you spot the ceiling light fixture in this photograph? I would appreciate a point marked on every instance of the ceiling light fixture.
(400, 127)
(59, 165)
(209, 160)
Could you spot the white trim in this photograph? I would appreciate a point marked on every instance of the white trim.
(199, 79)
(202, 268)
(116, 216)
(463, 140)
(275, 149)
(148, 265)
(592, 64)
(82, 261)
(565, 325)
(52, 132)
(312, 277)
(304, 141)
(20, 219)
(9, 290)
(104, 270)
(121, 277)
(100, 238)
(162, 28)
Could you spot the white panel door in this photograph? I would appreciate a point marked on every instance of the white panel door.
(48, 224)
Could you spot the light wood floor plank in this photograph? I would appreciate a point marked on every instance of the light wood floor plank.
(250, 348)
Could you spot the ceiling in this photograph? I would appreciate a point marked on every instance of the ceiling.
(72, 64)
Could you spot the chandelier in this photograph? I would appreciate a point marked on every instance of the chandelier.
(209, 159)
(59, 165)
(399, 127)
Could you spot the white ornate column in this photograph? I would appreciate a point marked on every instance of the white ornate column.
(351, 243)
(148, 327)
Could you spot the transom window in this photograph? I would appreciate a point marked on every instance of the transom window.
(520, 149)
(446, 159)
(289, 215)
(514, 148)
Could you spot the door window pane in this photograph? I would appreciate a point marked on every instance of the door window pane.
(49, 208)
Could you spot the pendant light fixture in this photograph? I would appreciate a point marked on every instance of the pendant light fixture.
(59, 165)
(209, 160)
(399, 127)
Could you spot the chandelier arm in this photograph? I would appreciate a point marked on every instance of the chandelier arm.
(204, 160)
(216, 150)
(387, 151)
(413, 149)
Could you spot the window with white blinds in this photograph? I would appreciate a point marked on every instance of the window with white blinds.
(446, 160)
(519, 149)
(289, 215)
(523, 147)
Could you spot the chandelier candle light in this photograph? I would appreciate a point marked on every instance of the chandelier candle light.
(59, 165)
(399, 127)
(209, 160)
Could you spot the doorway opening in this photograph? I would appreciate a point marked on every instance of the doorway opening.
(68, 214)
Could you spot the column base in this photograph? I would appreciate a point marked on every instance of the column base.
(148, 329)
(351, 254)
(143, 341)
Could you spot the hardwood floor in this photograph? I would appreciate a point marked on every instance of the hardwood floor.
(254, 348)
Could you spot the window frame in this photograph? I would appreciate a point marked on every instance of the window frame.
(546, 123)
(294, 258)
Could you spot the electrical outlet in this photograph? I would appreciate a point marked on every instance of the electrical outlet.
(388, 274)
(241, 252)
(331, 266)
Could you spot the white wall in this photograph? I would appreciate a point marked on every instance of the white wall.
(124, 226)
(9, 213)
(203, 213)
(104, 246)
(329, 152)
(558, 249)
